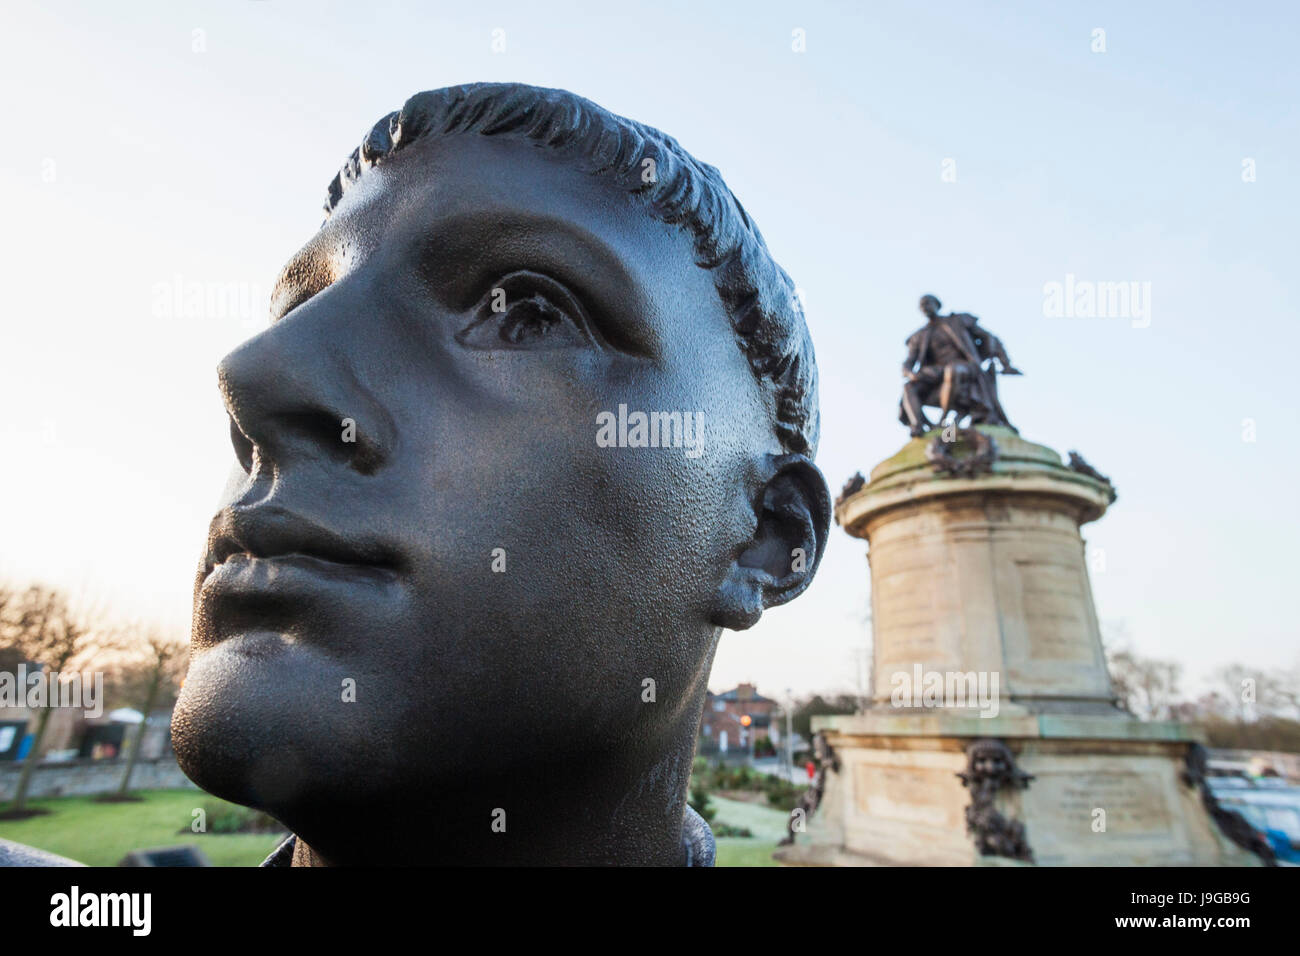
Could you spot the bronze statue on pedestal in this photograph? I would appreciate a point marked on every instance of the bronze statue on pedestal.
(945, 368)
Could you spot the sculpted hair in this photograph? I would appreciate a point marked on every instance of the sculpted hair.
(677, 188)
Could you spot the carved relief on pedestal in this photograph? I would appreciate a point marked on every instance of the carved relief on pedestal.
(991, 767)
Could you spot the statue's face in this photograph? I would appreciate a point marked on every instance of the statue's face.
(471, 584)
(990, 762)
(930, 306)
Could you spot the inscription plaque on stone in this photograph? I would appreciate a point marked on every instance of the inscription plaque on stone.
(1052, 598)
(1134, 803)
(923, 795)
(905, 605)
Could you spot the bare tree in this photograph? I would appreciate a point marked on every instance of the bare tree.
(41, 626)
(1210, 706)
(1148, 687)
(1255, 693)
(150, 679)
(1277, 691)
(10, 656)
(1286, 690)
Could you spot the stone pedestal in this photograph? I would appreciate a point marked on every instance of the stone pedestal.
(984, 573)
(985, 629)
(1105, 791)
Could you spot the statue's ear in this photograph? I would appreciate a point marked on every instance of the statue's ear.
(778, 562)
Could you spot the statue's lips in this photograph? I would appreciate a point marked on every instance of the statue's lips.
(266, 547)
(282, 572)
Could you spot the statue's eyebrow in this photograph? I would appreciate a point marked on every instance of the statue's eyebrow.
(306, 274)
(460, 255)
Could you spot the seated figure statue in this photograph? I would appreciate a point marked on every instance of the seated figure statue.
(945, 368)
(533, 422)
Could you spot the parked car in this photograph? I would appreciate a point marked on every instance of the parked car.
(1271, 807)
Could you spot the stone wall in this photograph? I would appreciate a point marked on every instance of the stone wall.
(72, 778)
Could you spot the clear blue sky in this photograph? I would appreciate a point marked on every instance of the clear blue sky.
(130, 159)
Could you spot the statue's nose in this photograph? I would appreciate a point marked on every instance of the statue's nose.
(294, 393)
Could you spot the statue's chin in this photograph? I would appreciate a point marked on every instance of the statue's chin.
(239, 737)
(219, 761)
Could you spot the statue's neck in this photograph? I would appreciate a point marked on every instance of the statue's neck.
(589, 810)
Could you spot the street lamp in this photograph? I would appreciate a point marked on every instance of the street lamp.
(789, 736)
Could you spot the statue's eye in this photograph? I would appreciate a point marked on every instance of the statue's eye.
(533, 318)
(527, 311)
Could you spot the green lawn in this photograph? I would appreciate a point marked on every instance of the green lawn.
(766, 823)
(100, 834)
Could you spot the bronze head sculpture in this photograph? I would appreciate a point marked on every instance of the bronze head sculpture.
(533, 422)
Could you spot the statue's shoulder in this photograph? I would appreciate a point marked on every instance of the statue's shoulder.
(19, 854)
(966, 319)
(915, 337)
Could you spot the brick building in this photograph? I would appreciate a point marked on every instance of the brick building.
(736, 720)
